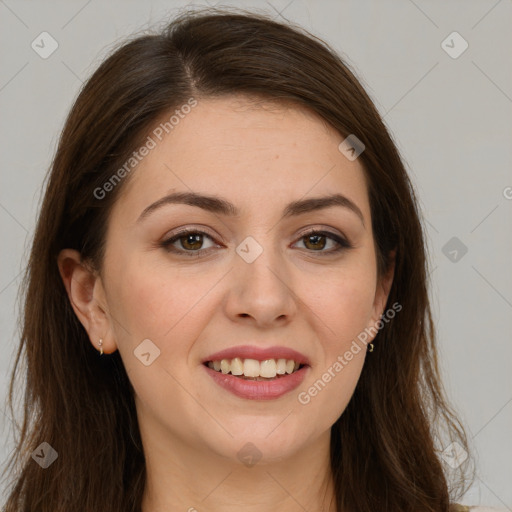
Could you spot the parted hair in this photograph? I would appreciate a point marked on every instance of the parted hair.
(385, 450)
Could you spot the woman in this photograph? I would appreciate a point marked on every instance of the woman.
(226, 302)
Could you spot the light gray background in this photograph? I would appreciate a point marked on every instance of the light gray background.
(451, 119)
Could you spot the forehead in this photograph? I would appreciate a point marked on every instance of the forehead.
(246, 149)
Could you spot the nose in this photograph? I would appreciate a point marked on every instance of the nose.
(261, 292)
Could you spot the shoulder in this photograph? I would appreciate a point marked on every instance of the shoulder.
(464, 508)
(485, 509)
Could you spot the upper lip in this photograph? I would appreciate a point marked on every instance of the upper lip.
(258, 353)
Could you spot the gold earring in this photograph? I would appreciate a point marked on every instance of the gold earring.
(370, 349)
(100, 343)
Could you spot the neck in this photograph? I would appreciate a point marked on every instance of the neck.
(184, 477)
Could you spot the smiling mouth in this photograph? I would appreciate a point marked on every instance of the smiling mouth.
(252, 369)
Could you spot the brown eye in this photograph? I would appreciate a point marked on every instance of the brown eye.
(315, 242)
(191, 241)
(324, 242)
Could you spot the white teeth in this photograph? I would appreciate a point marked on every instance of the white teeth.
(268, 368)
(237, 367)
(281, 366)
(225, 367)
(290, 365)
(252, 368)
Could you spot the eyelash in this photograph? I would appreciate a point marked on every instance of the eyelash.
(167, 244)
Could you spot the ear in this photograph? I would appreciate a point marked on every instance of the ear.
(381, 295)
(87, 297)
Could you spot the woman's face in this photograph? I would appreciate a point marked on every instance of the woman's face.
(247, 275)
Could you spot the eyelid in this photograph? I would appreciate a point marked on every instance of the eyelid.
(342, 241)
(199, 229)
(167, 242)
(315, 228)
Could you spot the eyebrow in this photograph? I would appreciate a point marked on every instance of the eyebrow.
(223, 207)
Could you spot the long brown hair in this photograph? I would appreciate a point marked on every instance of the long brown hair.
(383, 451)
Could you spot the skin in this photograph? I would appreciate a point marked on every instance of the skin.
(259, 156)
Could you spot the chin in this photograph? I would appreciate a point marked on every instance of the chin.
(265, 444)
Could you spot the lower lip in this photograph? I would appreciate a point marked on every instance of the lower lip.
(258, 390)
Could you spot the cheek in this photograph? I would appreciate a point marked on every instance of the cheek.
(343, 311)
(160, 305)
(329, 393)
(343, 304)
(154, 301)
(344, 301)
